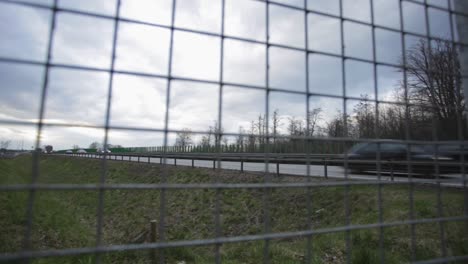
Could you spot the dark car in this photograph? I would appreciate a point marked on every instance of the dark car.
(456, 150)
(394, 158)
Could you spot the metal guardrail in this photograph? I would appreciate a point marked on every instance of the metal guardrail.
(391, 166)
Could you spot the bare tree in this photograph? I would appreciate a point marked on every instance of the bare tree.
(340, 126)
(260, 126)
(216, 132)
(434, 81)
(205, 141)
(364, 115)
(95, 145)
(295, 127)
(184, 138)
(225, 141)
(4, 144)
(313, 117)
(276, 124)
(252, 138)
(240, 140)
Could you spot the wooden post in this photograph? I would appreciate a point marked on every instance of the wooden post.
(153, 252)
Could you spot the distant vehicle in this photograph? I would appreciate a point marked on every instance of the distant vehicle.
(397, 152)
(69, 152)
(81, 151)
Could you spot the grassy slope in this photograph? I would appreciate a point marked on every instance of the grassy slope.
(64, 219)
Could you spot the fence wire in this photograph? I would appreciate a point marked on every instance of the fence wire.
(267, 155)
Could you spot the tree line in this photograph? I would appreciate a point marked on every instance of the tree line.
(427, 104)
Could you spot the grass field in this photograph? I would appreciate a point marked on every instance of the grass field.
(67, 219)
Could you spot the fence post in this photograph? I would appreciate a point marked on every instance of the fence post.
(153, 240)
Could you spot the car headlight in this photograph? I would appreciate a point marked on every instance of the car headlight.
(441, 158)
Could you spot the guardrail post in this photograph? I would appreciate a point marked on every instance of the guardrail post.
(391, 171)
(277, 168)
(149, 159)
(138, 158)
(325, 168)
(214, 164)
(121, 157)
(175, 162)
(242, 165)
(160, 160)
(193, 163)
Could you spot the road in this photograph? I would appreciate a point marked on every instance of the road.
(334, 172)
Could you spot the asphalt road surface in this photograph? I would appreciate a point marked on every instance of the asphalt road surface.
(335, 172)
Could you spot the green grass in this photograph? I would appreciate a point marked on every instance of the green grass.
(67, 219)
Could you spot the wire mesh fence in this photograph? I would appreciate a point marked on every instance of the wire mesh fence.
(268, 94)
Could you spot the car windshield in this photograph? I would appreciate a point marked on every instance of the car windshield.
(357, 147)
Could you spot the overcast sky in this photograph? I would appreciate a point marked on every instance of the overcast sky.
(80, 96)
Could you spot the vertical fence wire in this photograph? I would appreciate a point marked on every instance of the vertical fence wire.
(377, 134)
(347, 206)
(267, 177)
(308, 251)
(104, 166)
(443, 247)
(407, 130)
(163, 198)
(219, 196)
(35, 161)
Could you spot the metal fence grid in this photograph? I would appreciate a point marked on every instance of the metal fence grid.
(218, 240)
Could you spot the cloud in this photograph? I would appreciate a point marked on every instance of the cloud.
(21, 86)
(196, 56)
(80, 96)
(81, 40)
(24, 31)
(142, 48)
